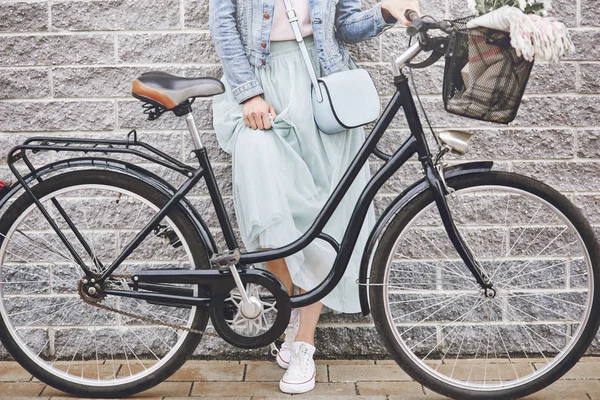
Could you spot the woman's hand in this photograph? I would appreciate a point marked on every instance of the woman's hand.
(256, 113)
(397, 8)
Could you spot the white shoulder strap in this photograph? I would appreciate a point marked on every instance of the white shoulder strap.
(291, 14)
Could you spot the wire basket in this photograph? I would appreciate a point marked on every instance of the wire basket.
(484, 78)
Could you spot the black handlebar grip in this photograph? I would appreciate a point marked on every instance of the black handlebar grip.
(415, 27)
(416, 22)
(410, 15)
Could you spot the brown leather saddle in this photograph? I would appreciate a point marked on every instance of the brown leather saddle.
(162, 92)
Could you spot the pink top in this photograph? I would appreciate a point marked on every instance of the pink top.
(281, 29)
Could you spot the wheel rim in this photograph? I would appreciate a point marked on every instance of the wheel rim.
(460, 345)
(143, 348)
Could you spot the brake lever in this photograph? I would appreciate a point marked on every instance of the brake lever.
(446, 26)
(437, 46)
(422, 25)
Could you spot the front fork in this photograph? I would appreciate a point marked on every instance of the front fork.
(440, 190)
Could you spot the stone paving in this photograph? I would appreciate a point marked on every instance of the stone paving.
(336, 379)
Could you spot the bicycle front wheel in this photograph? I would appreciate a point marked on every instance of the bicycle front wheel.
(541, 256)
(47, 326)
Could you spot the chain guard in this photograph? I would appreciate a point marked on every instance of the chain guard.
(221, 309)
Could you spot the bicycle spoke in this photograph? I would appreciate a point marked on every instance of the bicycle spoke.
(457, 334)
(76, 341)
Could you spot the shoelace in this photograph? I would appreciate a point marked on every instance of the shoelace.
(291, 328)
(299, 361)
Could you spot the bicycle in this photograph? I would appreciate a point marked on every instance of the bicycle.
(109, 274)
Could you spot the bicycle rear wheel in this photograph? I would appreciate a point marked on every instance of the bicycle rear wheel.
(542, 258)
(46, 325)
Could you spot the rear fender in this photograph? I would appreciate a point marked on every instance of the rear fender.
(10, 190)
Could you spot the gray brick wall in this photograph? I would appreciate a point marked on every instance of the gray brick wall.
(67, 66)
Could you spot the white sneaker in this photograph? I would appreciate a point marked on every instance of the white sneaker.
(283, 358)
(300, 376)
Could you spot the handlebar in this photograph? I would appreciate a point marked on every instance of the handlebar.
(416, 22)
(422, 25)
(411, 14)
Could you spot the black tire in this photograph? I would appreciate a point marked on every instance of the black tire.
(443, 309)
(156, 339)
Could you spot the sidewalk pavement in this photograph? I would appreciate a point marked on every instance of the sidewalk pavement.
(336, 380)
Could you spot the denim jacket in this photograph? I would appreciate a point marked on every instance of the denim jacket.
(241, 29)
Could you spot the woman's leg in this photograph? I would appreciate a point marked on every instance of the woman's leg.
(280, 270)
(301, 371)
(309, 317)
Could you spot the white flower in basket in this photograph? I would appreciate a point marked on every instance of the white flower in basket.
(532, 34)
(500, 25)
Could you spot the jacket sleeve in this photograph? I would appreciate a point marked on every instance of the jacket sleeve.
(228, 44)
(354, 25)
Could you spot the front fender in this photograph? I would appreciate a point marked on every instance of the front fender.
(396, 205)
(131, 169)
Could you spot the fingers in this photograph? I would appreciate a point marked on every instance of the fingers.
(259, 118)
(252, 119)
(265, 121)
(256, 114)
(409, 13)
(403, 19)
(272, 112)
(250, 122)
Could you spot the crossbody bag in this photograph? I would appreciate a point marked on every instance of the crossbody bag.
(342, 100)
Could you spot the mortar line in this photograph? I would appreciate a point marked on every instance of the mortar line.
(191, 389)
(49, 5)
(116, 47)
(566, 96)
(578, 78)
(113, 65)
(116, 114)
(182, 14)
(50, 83)
(125, 32)
(118, 32)
(576, 145)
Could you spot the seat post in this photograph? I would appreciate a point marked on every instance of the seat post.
(191, 123)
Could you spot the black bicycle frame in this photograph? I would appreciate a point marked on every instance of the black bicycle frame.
(415, 144)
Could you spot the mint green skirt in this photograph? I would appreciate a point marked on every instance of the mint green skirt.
(283, 176)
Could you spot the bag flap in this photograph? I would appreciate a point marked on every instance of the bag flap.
(353, 96)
